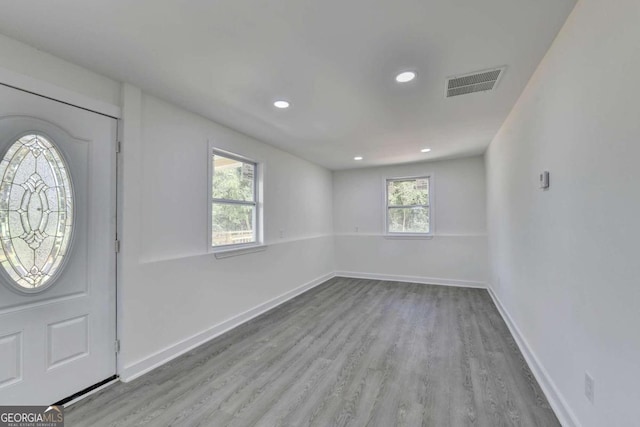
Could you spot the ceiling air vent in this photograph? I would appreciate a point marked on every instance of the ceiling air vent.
(479, 81)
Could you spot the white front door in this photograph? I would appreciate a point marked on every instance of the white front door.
(57, 258)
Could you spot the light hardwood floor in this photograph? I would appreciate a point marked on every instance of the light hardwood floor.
(349, 352)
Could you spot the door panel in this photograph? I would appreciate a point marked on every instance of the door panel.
(59, 340)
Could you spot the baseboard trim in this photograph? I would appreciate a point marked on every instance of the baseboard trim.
(559, 405)
(412, 279)
(141, 367)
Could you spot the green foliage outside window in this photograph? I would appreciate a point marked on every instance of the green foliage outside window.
(408, 205)
(232, 180)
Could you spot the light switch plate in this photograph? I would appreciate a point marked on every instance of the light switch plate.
(544, 180)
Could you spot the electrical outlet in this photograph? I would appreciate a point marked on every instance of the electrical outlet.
(281, 234)
(357, 229)
(589, 387)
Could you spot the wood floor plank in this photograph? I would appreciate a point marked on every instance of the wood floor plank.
(349, 352)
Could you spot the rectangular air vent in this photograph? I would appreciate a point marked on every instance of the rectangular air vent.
(479, 81)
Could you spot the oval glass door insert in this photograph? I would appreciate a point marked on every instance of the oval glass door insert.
(36, 213)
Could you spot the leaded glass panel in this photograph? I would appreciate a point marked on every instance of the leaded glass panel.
(36, 212)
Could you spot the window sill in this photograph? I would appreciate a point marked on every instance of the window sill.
(243, 250)
(409, 236)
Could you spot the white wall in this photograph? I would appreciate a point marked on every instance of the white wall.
(564, 262)
(171, 293)
(457, 254)
(175, 293)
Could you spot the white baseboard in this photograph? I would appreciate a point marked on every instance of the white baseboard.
(566, 417)
(562, 410)
(161, 357)
(412, 279)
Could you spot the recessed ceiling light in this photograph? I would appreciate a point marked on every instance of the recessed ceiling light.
(405, 76)
(426, 150)
(281, 104)
(358, 158)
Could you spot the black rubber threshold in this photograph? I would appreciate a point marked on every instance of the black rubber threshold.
(85, 391)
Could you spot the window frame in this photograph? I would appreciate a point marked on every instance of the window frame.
(386, 207)
(238, 248)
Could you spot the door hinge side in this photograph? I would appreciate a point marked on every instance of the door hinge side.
(117, 246)
(117, 346)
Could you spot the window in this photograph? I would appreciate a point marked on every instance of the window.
(36, 213)
(408, 201)
(234, 207)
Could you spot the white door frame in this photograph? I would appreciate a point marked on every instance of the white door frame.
(56, 93)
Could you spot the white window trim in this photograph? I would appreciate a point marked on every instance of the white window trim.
(228, 251)
(399, 235)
